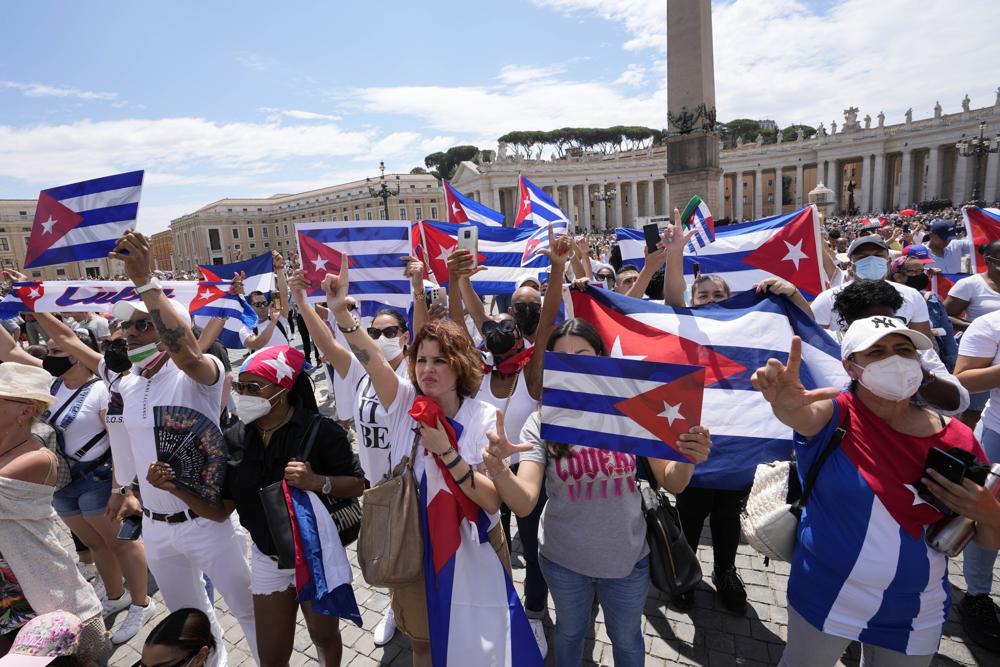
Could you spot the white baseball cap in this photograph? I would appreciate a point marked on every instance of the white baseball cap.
(864, 333)
(123, 310)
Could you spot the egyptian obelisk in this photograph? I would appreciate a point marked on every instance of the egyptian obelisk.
(692, 143)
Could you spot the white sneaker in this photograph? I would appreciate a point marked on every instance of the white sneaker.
(385, 629)
(88, 570)
(539, 631)
(137, 617)
(115, 606)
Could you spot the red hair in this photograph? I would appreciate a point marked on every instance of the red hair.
(456, 347)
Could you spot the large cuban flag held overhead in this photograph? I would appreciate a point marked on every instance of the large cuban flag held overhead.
(786, 246)
(375, 250)
(982, 225)
(259, 272)
(462, 210)
(83, 220)
(535, 207)
(501, 250)
(731, 340)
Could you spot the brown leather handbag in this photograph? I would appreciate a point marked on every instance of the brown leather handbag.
(391, 547)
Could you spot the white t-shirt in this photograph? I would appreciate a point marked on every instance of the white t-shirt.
(913, 310)
(981, 297)
(98, 326)
(277, 337)
(982, 339)
(951, 260)
(519, 408)
(81, 419)
(475, 417)
(121, 449)
(143, 399)
(357, 398)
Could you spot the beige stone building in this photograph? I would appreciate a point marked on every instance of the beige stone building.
(882, 166)
(161, 246)
(232, 229)
(16, 216)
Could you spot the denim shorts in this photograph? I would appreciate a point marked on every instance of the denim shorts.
(87, 496)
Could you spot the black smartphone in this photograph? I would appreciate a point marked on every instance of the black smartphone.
(652, 234)
(948, 466)
(131, 528)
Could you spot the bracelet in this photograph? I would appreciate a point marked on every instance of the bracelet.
(464, 477)
(347, 330)
(124, 490)
(450, 450)
(454, 462)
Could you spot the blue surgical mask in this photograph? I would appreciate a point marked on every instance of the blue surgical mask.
(871, 268)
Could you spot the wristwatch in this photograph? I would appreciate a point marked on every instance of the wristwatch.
(152, 284)
(123, 490)
(327, 486)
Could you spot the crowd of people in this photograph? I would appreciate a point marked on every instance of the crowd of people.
(87, 398)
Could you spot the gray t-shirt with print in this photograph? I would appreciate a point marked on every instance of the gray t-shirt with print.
(592, 523)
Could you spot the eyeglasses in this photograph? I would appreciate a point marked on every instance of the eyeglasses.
(259, 304)
(252, 388)
(604, 276)
(527, 307)
(142, 326)
(388, 332)
(505, 326)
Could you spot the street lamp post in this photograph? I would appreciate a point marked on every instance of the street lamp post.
(976, 147)
(607, 197)
(383, 191)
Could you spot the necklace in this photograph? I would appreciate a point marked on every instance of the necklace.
(23, 442)
(267, 432)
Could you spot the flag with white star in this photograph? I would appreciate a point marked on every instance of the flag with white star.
(625, 405)
(784, 246)
(83, 220)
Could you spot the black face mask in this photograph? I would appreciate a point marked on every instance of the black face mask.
(918, 283)
(56, 366)
(526, 316)
(116, 356)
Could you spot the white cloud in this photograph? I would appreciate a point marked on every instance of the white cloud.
(274, 114)
(45, 90)
(634, 76)
(521, 74)
(644, 20)
(255, 62)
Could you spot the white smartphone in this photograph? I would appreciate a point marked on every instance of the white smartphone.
(468, 239)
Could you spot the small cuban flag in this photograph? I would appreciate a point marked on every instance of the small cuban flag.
(697, 217)
(625, 405)
(83, 220)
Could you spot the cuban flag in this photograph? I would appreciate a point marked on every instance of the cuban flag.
(876, 222)
(697, 217)
(259, 272)
(786, 246)
(730, 340)
(461, 209)
(626, 405)
(83, 220)
(982, 226)
(501, 250)
(474, 613)
(214, 299)
(536, 208)
(322, 572)
(375, 248)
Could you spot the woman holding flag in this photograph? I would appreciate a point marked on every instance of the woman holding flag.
(471, 619)
(590, 544)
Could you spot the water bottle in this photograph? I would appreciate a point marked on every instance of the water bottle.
(949, 536)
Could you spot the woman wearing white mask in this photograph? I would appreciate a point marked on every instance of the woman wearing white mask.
(861, 570)
(277, 406)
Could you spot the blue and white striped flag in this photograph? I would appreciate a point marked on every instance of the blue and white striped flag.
(83, 220)
(375, 251)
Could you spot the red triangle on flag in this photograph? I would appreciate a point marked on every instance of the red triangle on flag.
(205, 295)
(456, 213)
(792, 254)
(30, 293)
(439, 246)
(982, 228)
(524, 203)
(318, 259)
(52, 221)
(632, 339)
(669, 410)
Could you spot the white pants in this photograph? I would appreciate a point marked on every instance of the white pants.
(178, 554)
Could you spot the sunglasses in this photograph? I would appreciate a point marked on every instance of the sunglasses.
(142, 326)
(388, 332)
(252, 388)
(527, 307)
(504, 326)
(604, 276)
(259, 304)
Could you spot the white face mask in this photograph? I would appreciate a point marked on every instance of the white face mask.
(894, 379)
(390, 347)
(251, 408)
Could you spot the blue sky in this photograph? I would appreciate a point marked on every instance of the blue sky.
(229, 98)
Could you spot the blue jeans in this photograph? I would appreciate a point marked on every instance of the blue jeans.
(978, 562)
(621, 599)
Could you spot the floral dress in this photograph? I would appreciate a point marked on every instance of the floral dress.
(14, 608)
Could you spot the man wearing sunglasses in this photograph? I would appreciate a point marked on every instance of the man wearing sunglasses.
(272, 328)
(169, 372)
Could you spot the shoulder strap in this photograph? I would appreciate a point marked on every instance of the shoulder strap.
(814, 469)
(310, 438)
(80, 453)
(281, 328)
(54, 418)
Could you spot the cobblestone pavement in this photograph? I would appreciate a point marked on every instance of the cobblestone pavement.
(708, 635)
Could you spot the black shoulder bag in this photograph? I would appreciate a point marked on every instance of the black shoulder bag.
(673, 566)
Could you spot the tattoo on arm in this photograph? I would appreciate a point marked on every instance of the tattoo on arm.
(361, 354)
(171, 337)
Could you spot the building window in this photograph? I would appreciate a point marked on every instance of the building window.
(402, 213)
(286, 230)
(263, 230)
(23, 213)
(229, 210)
(236, 246)
(249, 232)
(4, 245)
(276, 230)
(434, 212)
(214, 242)
(267, 245)
(236, 232)
(418, 213)
(368, 214)
(36, 274)
(357, 216)
(345, 217)
(60, 272)
(253, 246)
